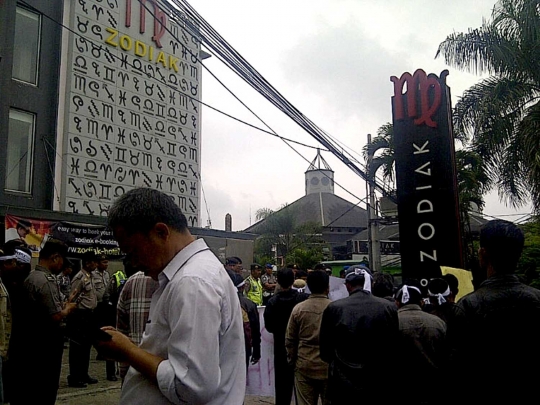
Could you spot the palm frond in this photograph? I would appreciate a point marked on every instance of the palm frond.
(494, 103)
(507, 45)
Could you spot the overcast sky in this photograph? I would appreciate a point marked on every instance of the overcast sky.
(332, 60)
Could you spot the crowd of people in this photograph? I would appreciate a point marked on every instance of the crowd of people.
(184, 328)
(344, 351)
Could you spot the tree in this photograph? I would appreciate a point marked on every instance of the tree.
(529, 262)
(472, 179)
(263, 213)
(500, 116)
(384, 143)
(283, 237)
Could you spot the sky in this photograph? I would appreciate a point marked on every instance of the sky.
(332, 60)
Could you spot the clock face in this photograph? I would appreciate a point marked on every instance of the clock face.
(325, 181)
(315, 181)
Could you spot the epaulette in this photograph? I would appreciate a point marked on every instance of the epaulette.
(50, 277)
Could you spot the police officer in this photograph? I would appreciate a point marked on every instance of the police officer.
(254, 289)
(80, 322)
(37, 360)
(105, 312)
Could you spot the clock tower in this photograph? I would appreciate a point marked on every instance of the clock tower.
(319, 176)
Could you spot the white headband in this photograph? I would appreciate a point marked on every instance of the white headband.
(440, 297)
(365, 274)
(405, 293)
(22, 257)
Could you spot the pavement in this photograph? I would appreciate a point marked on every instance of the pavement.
(107, 392)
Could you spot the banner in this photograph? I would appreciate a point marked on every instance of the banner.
(80, 238)
(31, 231)
(260, 376)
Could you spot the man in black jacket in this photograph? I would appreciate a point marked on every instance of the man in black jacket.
(499, 349)
(252, 325)
(276, 317)
(358, 337)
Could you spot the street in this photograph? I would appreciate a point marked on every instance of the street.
(107, 392)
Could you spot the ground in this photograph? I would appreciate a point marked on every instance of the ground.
(107, 392)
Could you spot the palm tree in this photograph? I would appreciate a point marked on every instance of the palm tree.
(472, 182)
(472, 178)
(500, 115)
(263, 213)
(281, 231)
(384, 143)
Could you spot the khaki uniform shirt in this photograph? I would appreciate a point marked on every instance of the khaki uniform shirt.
(302, 338)
(101, 280)
(85, 292)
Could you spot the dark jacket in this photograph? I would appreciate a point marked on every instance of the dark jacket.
(277, 314)
(454, 318)
(358, 338)
(500, 348)
(253, 348)
(423, 352)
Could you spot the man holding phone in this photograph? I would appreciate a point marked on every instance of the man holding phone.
(192, 350)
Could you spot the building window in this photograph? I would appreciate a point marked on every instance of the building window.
(20, 146)
(26, 46)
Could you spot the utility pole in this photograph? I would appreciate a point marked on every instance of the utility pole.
(374, 245)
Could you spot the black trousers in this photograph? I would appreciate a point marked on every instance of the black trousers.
(79, 323)
(105, 315)
(36, 373)
(283, 377)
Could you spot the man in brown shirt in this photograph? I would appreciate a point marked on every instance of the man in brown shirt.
(302, 342)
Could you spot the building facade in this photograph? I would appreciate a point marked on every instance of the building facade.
(98, 97)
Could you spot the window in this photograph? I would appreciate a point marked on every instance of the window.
(19, 148)
(26, 46)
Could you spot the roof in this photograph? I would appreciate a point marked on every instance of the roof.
(391, 232)
(326, 209)
(386, 232)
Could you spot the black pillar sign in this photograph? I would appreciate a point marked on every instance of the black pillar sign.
(429, 224)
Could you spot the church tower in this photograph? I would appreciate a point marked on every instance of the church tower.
(319, 176)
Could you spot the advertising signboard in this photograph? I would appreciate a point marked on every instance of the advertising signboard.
(429, 224)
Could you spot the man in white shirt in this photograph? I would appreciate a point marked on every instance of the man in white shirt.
(192, 349)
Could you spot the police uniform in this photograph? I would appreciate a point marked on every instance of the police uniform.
(79, 323)
(37, 360)
(101, 281)
(254, 290)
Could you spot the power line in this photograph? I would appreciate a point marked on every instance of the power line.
(143, 4)
(228, 55)
(173, 88)
(238, 99)
(271, 132)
